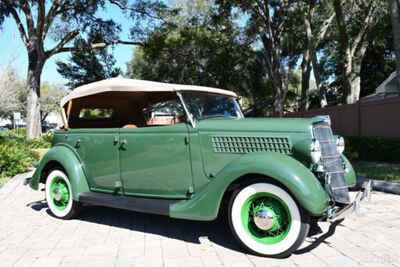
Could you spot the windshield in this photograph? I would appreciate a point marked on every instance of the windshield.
(204, 106)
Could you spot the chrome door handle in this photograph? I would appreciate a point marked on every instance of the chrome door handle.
(124, 142)
(78, 143)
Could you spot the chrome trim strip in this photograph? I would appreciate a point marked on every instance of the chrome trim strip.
(189, 115)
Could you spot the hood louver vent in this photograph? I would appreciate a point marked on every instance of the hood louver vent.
(247, 144)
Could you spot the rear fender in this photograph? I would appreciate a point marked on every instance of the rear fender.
(299, 180)
(64, 156)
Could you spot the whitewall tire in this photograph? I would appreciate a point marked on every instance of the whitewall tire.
(266, 220)
(59, 195)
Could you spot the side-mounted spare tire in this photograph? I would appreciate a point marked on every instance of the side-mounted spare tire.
(266, 220)
(59, 195)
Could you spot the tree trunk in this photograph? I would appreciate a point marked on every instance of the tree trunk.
(35, 67)
(395, 15)
(321, 89)
(355, 85)
(344, 51)
(355, 76)
(279, 95)
(278, 103)
(347, 70)
(275, 76)
(313, 55)
(305, 79)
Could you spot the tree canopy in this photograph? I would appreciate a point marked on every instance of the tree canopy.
(280, 55)
(64, 21)
(88, 65)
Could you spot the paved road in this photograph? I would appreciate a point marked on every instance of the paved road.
(30, 236)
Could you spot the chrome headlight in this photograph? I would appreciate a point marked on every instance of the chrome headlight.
(340, 144)
(315, 151)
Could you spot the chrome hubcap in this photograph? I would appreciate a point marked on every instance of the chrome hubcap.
(57, 194)
(264, 219)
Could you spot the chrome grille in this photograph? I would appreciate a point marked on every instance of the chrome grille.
(247, 144)
(332, 162)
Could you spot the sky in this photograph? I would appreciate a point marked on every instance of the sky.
(13, 51)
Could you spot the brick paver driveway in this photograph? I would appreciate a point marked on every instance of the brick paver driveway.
(30, 236)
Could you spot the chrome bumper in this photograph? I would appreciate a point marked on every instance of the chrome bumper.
(354, 207)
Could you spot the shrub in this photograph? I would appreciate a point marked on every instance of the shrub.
(15, 157)
(48, 137)
(14, 132)
(38, 143)
(373, 148)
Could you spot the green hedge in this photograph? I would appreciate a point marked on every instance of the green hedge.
(17, 154)
(15, 157)
(373, 148)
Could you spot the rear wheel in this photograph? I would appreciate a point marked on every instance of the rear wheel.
(266, 220)
(59, 195)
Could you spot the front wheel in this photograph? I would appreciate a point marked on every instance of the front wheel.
(266, 220)
(59, 195)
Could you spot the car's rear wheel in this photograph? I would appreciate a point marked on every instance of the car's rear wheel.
(266, 220)
(59, 195)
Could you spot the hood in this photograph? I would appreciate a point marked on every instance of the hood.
(219, 143)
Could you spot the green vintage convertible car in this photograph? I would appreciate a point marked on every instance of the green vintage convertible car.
(188, 152)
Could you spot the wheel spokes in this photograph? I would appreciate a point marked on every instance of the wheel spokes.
(267, 219)
(59, 193)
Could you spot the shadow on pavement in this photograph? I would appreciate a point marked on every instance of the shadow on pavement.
(321, 239)
(216, 231)
(38, 205)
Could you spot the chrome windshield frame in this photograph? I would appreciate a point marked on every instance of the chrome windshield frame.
(189, 115)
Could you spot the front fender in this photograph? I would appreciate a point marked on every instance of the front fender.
(68, 159)
(350, 174)
(301, 183)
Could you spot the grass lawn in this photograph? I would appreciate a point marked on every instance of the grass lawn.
(389, 172)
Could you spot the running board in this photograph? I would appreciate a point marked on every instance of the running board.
(146, 205)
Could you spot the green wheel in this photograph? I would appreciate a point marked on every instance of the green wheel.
(266, 220)
(59, 195)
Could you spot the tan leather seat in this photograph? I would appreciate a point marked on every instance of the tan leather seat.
(130, 126)
(161, 121)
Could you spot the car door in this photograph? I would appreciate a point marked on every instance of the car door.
(155, 160)
(98, 149)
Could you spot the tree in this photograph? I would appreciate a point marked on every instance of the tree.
(202, 49)
(268, 22)
(51, 95)
(355, 21)
(11, 93)
(315, 36)
(88, 65)
(309, 23)
(13, 97)
(394, 7)
(64, 21)
(379, 61)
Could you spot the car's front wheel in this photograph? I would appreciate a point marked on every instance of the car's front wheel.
(266, 220)
(59, 195)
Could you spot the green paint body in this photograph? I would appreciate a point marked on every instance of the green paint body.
(65, 156)
(182, 162)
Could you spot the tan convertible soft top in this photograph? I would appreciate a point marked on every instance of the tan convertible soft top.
(130, 85)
